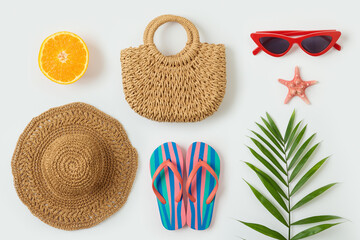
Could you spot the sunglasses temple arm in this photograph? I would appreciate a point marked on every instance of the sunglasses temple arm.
(256, 50)
(337, 46)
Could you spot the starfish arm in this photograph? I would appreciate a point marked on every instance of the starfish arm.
(283, 82)
(305, 99)
(289, 96)
(297, 72)
(310, 83)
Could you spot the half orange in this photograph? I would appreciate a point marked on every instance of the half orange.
(63, 57)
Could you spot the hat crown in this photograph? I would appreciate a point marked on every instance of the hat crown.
(73, 165)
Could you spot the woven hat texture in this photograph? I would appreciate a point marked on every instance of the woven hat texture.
(74, 166)
(185, 87)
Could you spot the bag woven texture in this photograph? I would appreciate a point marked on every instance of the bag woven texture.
(74, 166)
(185, 87)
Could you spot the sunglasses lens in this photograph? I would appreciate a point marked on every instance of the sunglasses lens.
(274, 44)
(316, 44)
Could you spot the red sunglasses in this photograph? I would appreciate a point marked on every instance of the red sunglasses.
(278, 43)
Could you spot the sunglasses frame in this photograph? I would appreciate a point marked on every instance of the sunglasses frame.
(288, 35)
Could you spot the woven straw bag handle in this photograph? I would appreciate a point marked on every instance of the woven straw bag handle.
(191, 30)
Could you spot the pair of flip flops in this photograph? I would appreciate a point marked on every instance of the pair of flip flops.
(167, 169)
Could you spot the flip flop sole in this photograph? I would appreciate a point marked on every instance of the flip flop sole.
(199, 214)
(172, 213)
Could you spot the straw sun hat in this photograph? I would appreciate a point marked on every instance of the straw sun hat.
(74, 166)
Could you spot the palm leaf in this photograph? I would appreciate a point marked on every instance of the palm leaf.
(269, 145)
(268, 155)
(312, 195)
(274, 127)
(269, 186)
(268, 179)
(297, 141)
(264, 230)
(316, 219)
(292, 136)
(292, 150)
(313, 230)
(300, 151)
(267, 165)
(272, 130)
(289, 127)
(302, 162)
(307, 176)
(268, 205)
(271, 137)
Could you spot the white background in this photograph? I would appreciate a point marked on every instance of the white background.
(252, 89)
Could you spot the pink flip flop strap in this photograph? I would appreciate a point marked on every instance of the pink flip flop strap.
(192, 175)
(173, 168)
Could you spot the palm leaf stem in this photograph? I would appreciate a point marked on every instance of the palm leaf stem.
(289, 196)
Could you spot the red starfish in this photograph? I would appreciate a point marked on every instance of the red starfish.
(297, 87)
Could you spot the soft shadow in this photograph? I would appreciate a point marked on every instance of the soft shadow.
(96, 62)
(232, 81)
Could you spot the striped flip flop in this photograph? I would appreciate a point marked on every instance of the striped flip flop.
(203, 169)
(167, 169)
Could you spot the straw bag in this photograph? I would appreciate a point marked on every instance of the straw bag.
(185, 87)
